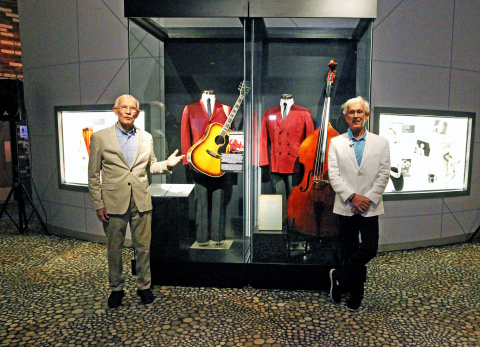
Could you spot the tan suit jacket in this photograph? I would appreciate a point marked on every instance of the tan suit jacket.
(369, 179)
(111, 181)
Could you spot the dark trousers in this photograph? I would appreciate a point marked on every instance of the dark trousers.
(282, 184)
(355, 254)
(210, 206)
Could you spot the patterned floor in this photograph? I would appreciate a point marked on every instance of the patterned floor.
(53, 292)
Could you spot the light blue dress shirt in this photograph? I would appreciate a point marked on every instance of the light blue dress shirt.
(127, 142)
(358, 145)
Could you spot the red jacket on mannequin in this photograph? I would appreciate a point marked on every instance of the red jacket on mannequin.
(285, 138)
(195, 120)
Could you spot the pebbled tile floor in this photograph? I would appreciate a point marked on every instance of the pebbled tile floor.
(53, 292)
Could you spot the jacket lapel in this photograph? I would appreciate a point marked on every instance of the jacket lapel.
(278, 114)
(216, 112)
(112, 136)
(368, 147)
(350, 150)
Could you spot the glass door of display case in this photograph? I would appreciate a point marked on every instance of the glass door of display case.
(290, 66)
(191, 74)
(233, 224)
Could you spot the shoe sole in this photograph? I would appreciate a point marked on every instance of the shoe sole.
(331, 287)
(354, 310)
(113, 307)
(116, 306)
(147, 301)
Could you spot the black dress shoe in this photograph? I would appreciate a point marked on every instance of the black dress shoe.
(146, 295)
(335, 293)
(115, 298)
(353, 304)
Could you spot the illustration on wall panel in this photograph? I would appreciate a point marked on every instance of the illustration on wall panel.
(428, 153)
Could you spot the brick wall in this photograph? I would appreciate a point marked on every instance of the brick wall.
(11, 68)
(10, 47)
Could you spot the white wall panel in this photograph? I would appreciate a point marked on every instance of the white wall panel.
(417, 32)
(48, 32)
(103, 81)
(451, 226)
(464, 94)
(43, 164)
(66, 216)
(466, 38)
(385, 8)
(48, 87)
(102, 30)
(406, 208)
(468, 220)
(410, 86)
(45, 170)
(409, 229)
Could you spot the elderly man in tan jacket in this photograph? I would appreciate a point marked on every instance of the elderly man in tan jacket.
(117, 179)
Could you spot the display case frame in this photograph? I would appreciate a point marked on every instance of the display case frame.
(431, 151)
(161, 69)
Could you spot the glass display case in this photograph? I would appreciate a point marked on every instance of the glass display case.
(177, 60)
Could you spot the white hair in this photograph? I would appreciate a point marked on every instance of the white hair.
(347, 104)
(125, 96)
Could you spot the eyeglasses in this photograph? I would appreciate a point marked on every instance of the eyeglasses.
(124, 108)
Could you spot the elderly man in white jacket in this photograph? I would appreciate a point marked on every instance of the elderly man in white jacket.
(358, 169)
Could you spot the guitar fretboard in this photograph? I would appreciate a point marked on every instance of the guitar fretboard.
(232, 114)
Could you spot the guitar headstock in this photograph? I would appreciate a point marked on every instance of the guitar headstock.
(331, 74)
(244, 88)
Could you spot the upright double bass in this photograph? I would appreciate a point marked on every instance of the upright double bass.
(310, 204)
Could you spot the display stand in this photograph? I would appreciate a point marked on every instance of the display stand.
(170, 229)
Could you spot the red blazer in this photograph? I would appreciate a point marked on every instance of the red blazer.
(195, 120)
(284, 138)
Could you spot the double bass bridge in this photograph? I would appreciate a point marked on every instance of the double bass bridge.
(320, 184)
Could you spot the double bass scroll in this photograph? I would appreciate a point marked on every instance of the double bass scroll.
(310, 204)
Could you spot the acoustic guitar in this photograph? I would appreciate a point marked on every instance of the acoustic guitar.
(204, 156)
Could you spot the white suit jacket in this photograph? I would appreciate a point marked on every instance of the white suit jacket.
(112, 189)
(369, 179)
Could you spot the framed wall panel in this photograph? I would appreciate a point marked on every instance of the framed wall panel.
(430, 150)
(74, 127)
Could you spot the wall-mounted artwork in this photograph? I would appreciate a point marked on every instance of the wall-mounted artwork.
(430, 151)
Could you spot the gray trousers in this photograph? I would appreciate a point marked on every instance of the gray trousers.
(282, 184)
(141, 230)
(211, 197)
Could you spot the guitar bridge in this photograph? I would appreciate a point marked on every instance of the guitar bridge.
(215, 155)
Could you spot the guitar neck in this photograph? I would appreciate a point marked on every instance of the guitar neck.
(232, 114)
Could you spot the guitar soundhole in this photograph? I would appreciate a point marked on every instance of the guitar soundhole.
(219, 140)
